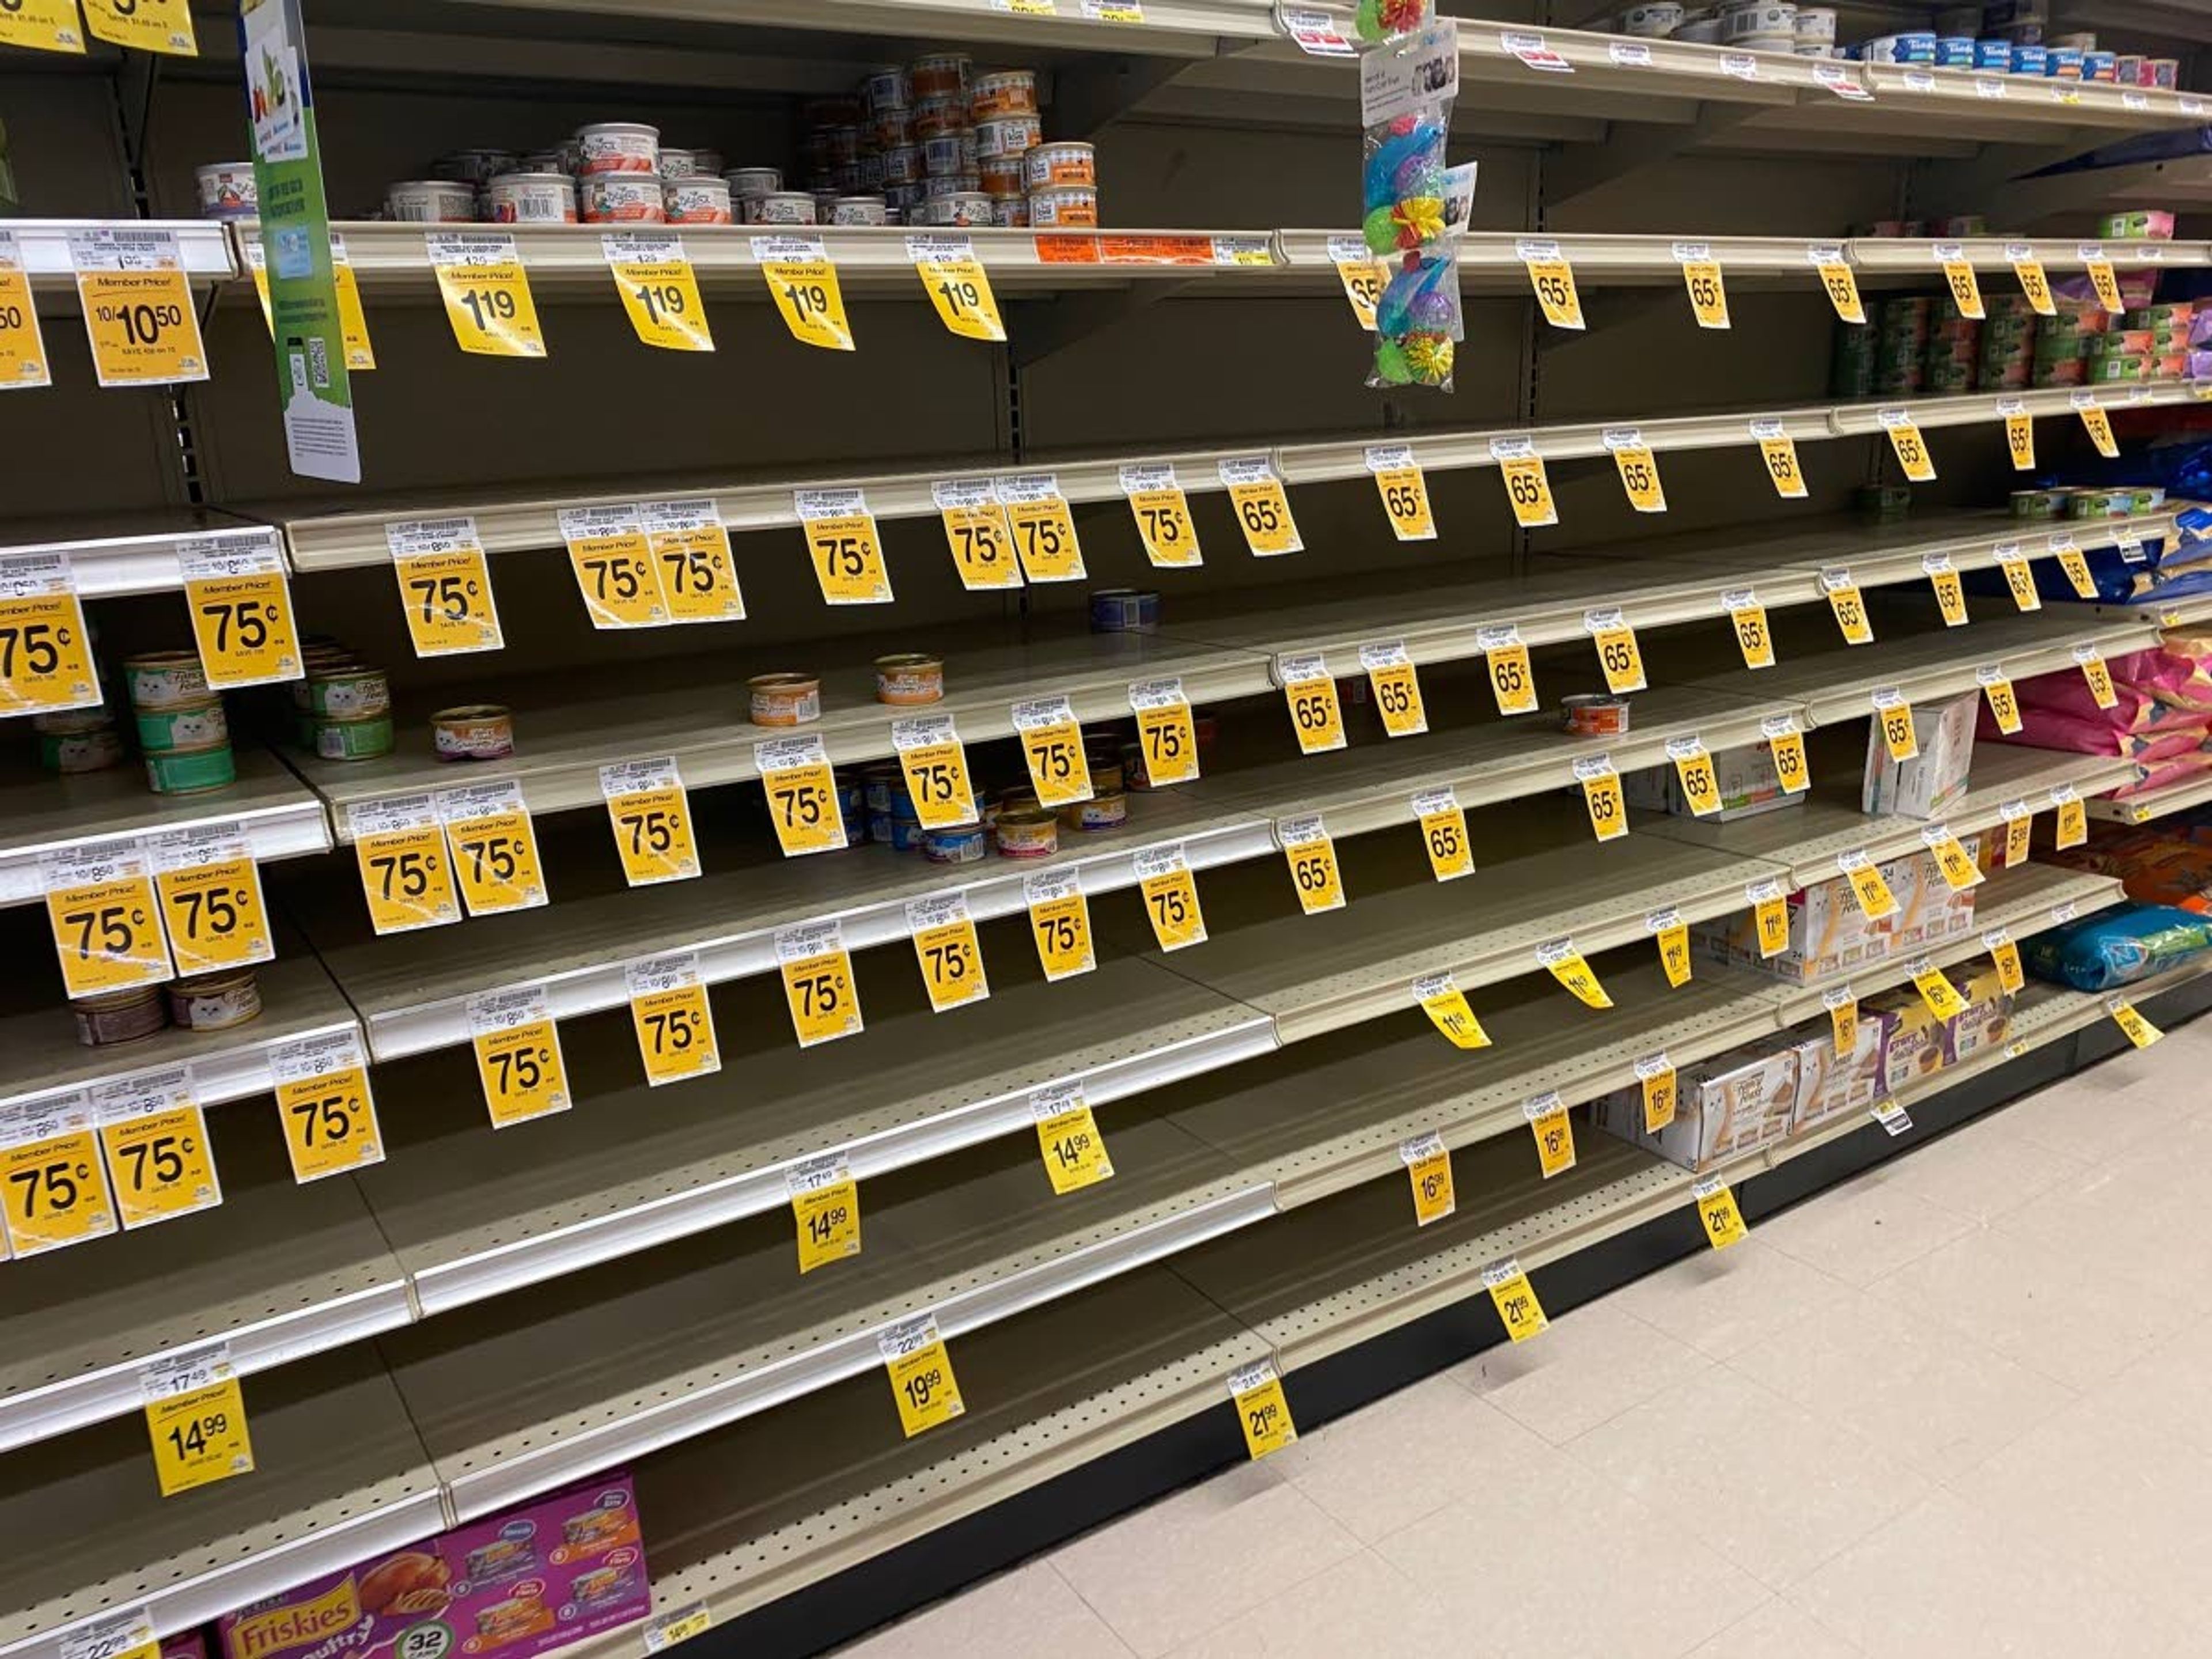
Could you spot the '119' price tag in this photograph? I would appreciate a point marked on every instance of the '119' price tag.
(804, 284)
(658, 288)
(957, 286)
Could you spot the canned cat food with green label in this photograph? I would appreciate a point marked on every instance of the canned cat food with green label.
(350, 693)
(190, 771)
(362, 739)
(215, 1002)
(197, 725)
(165, 679)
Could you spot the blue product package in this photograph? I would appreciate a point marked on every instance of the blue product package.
(2100, 65)
(1955, 51)
(2030, 60)
(1993, 55)
(2119, 946)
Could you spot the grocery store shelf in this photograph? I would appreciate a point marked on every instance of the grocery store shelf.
(1918, 257)
(1865, 419)
(2183, 183)
(204, 247)
(130, 552)
(280, 817)
(692, 709)
(39, 1053)
(340, 1475)
(2162, 802)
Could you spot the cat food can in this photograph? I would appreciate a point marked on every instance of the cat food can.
(941, 75)
(473, 731)
(431, 201)
(347, 694)
(1595, 716)
(1007, 137)
(1011, 212)
(902, 164)
(937, 118)
(1032, 834)
(2038, 506)
(751, 183)
(624, 198)
(860, 210)
(909, 678)
(1050, 165)
(352, 737)
(119, 1016)
(1652, 22)
(785, 699)
(966, 844)
(619, 147)
(1073, 207)
(190, 771)
(948, 155)
(888, 88)
(93, 748)
(228, 191)
(681, 164)
(1109, 809)
(1124, 611)
(2100, 66)
(166, 680)
(782, 207)
(188, 725)
(963, 210)
(215, 1002)
(1000, 176)
(474, 167)
(1002, 92)
(701, 199)
(530, 198)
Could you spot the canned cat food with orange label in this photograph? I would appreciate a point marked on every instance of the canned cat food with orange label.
(785, 699)
(1002, 92)
(473, 731)
(619, 147)
(1030, 834)
(1062, 163)
(909, 678)
(1072, 207)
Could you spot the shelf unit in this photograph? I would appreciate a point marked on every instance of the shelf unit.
(483, 1318)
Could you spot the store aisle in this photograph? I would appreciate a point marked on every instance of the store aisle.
(1954, 1408)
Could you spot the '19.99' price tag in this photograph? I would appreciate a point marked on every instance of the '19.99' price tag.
(922, 1383)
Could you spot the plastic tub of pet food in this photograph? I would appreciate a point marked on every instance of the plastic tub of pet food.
(1814, 25)
(228, 191)
(909, 678)
(617, 147)
(701, 199)
(785, 699)
(165, 679)
(1594, 715)
(119, 1016)
(962, 208)
(1124, 610)
(530, 198)
(2100, 66)
(190, 771)
(1069, 206)
(1007, 137)
(751, 183)
(941, 75)
(888, 87)
(215, 1002)
(1769, 19)
(1061, 163)
(183, 725)
(431, 201)
(782, 207)
(624, 198)
(474, 167)
(350, 737)
(1030, 834)
(1653, 22)
(860, 210)
(681, 164)
(473, 731)
(999, 92)
(938, 118)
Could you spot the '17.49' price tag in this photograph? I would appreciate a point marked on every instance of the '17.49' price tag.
(196, 1418)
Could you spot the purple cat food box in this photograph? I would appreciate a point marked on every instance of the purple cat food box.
(528, 1582)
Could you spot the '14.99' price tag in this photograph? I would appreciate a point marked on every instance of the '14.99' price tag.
(196, 1418)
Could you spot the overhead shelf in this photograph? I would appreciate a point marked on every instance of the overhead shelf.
(132, 552)
(43, 812)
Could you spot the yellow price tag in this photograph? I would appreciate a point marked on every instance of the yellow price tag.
(1708, 290)
(2019, 578)
(1602, 795)
(1716, 1207)
(518, 1049)
(922, 1383)
(846, 552)
(2125, 1015)
(494, 847)
(818, 982)
(1262, 506)
(1770, 914)
(1911, 449)
(1428, 1167)
(935, 766)
(955, 280)
(1163, 515)
(400, 848)
(106, 922)
(673, 1017)
(690, 550)
(1894, 714)
(1262, 1412)
(1044, 535)
(1693, 770)
(1312, 858)
(22, 343)
(241, 611)
(1446, 1006)
(667, 1630)
(1842, 288)
(2033, 282)
(1052, 743)
(212, 907)
(154, 1137)
(1950, 596)
(1512, 682)
(1616, 652)
(804, 284)
(2019, 822)
(1673, 934)
(1554, 1133)
(1639, 471)
(1941, 996)
(2004, 707)
(44, 26)
(486, 292)
(1850, 611)
(198, 1432)
(1566, 965)
(1747, 619)
(1068, 1139)
(1405, 493)
(353, 322)
(1867, 884)
(1966, 289)
(161, 25)
(2072, 827)
(658, 288)
(2019, 439)
(2076, 564)
(1528, 487)
(139, 308)
(53, 1186)
(1364, 276)
(950, 955)
(1553, 277)
(825, 1209)
(1309, 692)
(612, 559)
(801, 793)
(2106, 283)
(651, 817)
(2012, 978)
(1060, 921)
(2096, 675)
(1514, 1298)
(324, 1105)
(445, 586)
(1443, 833)
(1170, 895)
(1164, 732)
(1397, 688)
(1661, 1091)
(1778, 452)
(976, 531)
(1843, 1020)
(1953, 861)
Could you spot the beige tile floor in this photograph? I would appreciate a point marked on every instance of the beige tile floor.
(1954, 1408)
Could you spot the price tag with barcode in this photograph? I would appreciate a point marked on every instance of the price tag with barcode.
(802, 794)
(1428, 1166)
(1443, 833)
(1708, 289)
(673, 1018)
(1405, 492)
(324, 1105)
(803, 282)
(1163, 514)
(1397, 688)
(1850, 611)
(945, 946)
(1747, 619)
(1778, 451)
(1511, 680)
(1262, 506)
(1673, 936)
